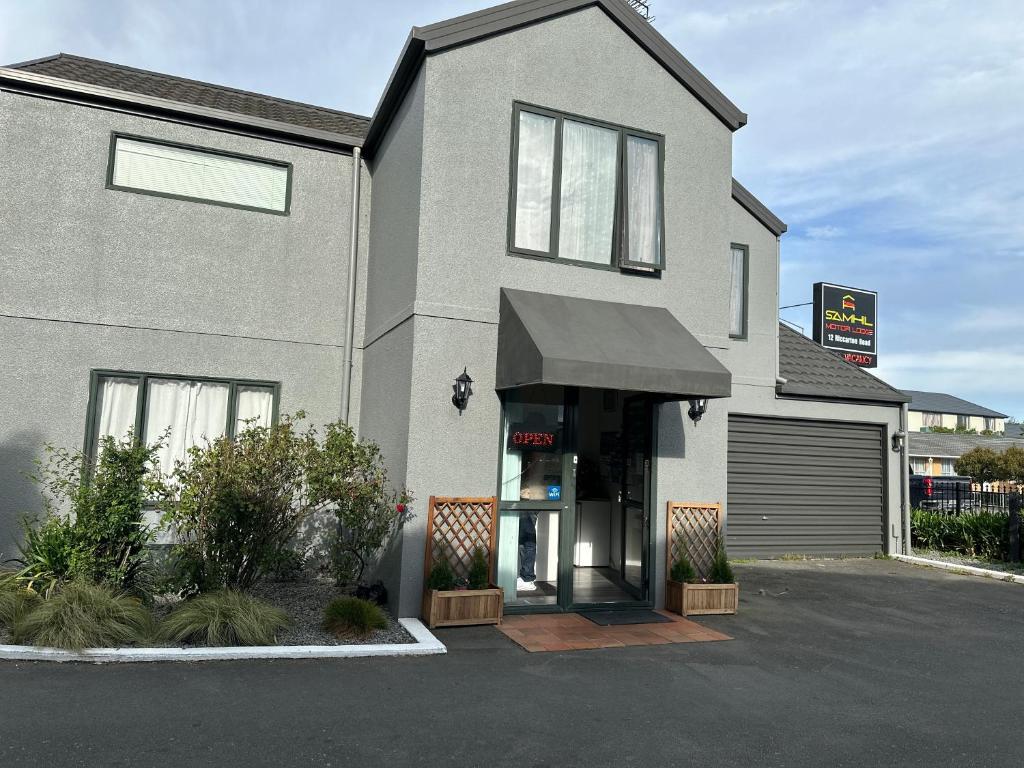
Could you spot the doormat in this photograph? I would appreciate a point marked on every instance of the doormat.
(616, 618)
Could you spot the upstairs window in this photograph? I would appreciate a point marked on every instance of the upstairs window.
(931, 419)
(963, 422)
(739, 267)
(586, 191)
(204, 175)
(193, 409)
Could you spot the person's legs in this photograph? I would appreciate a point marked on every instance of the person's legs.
(528, 546)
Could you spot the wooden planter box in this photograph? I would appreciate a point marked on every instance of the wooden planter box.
(701, 599)
(463, 607)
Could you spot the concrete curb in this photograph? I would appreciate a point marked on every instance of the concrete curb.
(969, 570)
(426, 645)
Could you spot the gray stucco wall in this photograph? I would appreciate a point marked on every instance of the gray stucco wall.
(97, 278)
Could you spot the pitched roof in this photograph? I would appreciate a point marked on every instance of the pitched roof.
(939, 402)
(757, 209)
(121, 78)
(462, 30)
(937, 444)
(810, 370)
(1011, 429)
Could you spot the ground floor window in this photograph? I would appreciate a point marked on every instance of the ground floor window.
(185, 410)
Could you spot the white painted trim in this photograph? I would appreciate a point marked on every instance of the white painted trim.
(426, 645)
(969, 570)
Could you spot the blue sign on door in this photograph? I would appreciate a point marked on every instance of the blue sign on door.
(554, 493)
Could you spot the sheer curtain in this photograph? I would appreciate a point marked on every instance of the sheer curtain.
(116, 411)
(737, 310)
(643, 192)
(255, 407)
(534, 177)
(193, 410)
(587, 210)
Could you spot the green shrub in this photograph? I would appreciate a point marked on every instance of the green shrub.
(352, 617)
(442, 577)
(683, 570)
(238, 503)
(479, 572)
(721, 570)
(103, 537)
(978, 534)
(347, 477)
(15, 603)
(81, 615)
(224, 617)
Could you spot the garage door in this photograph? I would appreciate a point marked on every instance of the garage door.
(805, 487)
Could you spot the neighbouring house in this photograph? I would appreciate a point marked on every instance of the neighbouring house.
(543, 199)
(936, 409)
(935, 453)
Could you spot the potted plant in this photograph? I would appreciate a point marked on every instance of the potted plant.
(689, 595)
(450, 602)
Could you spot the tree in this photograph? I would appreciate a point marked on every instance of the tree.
(981, 464)
(1013, 464)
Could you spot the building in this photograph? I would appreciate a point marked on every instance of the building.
(935, 453)
(542, 199)
(936, 409)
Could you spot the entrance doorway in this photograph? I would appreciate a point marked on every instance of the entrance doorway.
(575, 499)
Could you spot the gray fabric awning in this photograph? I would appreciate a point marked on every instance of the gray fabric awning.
(563, 340)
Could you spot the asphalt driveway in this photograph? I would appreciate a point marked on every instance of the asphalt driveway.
(843, 663)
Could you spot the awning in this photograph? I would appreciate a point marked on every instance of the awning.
(563, 340)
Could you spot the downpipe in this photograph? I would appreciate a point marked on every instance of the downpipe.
(905, 477)
(350, 303)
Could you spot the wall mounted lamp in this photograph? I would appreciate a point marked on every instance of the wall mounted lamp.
(898, 439)
(698, 407)
(461, 390)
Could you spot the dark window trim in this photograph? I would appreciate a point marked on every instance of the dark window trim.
(96, 374)
(115, 135)
(742, 336)
(618, 260)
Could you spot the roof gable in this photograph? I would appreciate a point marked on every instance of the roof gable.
(473, 27)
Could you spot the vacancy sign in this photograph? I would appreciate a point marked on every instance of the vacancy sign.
(845, 321)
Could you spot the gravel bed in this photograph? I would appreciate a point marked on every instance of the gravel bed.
(5, 637)
(977, 562)
(304, 601)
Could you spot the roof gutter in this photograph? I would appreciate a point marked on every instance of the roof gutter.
(30, 82)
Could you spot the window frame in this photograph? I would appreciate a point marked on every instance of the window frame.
(619, 257)
(962, 421)
(742, 336)
(91, 442)
(112, 153)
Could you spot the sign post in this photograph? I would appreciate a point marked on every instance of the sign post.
(845, 321)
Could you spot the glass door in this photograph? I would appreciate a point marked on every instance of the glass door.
(634, 495)
(536, 496)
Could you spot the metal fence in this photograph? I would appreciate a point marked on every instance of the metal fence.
(956, 498)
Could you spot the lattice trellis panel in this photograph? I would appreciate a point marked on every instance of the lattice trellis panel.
(457, 526)
(697, 526)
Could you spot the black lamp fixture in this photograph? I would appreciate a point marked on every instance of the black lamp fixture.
(462, 389)
(898, 439)
(698, 407)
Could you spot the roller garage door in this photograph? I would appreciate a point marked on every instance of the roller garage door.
(805, 487)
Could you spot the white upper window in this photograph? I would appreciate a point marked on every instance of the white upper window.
(192, 173)
(738, 292)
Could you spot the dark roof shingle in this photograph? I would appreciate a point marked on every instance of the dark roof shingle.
(119, 77)
(945, 444)
(813, 371)
(939, 402)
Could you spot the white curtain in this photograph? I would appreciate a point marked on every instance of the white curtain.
(643, 189)
(737, 310)
(587, 210)
(534, 177)
(118, 399)
(194, 411)
(255, 408)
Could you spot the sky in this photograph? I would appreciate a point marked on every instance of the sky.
(887, 134)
